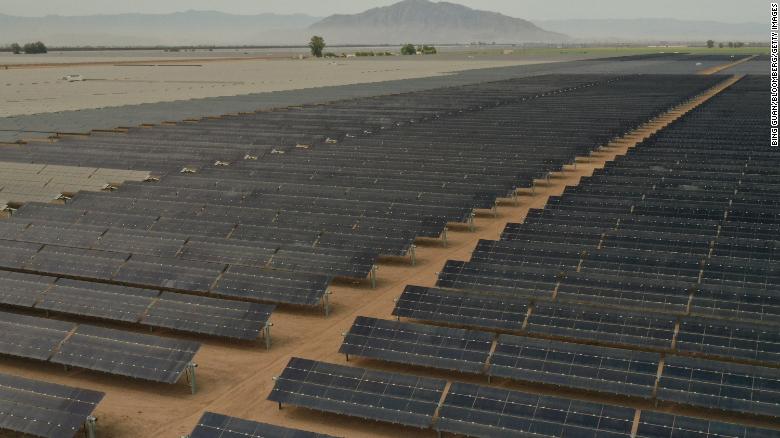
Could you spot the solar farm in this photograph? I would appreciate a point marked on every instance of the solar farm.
(576, 249)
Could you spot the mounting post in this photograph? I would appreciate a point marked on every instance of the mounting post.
(444, 237)
(347, 356)
(191, 376)
(89, 426)
(326, 304)
(372, 276)
(267, 335)
(495, 209)
(413, 254)
(471, 222)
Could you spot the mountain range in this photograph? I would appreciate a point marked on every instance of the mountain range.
(426, 21)
(179, 28)
(415, 21)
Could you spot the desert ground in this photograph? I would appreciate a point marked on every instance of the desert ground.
(40, 88)
(33, 84)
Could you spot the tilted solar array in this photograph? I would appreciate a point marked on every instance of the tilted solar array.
(475, 410)
(481, 411)
(684, 228)
(280, 202)
(42, 409)
(212, 425)
(461, 308)
(418, 344)
(658, 425)
(95, 348)
(374, 395)
(563, 364)
(150, 308)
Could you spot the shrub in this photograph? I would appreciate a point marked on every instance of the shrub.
(36, 47)
(317, 45)
(408, 49)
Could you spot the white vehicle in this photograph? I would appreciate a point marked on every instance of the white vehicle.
(73, 78)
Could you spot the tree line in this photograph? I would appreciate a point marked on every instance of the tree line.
(317, 46)
(730, 44)
(29, 48)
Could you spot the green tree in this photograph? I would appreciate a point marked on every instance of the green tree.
(16, 48)
(36, 47)
(317, 44)
(720, 45)
(408, 49)
(710, 44)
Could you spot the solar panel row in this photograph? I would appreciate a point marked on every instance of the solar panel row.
(96, 348)
(151, 308)
(474, 410)
(212, 425)
(36, 408)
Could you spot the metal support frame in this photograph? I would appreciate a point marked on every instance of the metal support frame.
(444, 237)
(372, 276)
(471, 221)
(326, 304)
(267, 335)
(413, 254)
(190, 372)
(89, 426)
(495, 209)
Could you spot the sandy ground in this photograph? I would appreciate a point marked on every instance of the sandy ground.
(235, 379)
(42, 90)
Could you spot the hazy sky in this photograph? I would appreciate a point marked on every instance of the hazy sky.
(719, 10)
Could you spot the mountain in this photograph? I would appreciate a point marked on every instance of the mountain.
(423, 21)
(179, 28)
(655, 30)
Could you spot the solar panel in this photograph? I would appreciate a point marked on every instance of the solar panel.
(42, 409)
(358, 392)
(22, 293)
(461, 308)
(659, 425)
(482, 411)
(31, 337)
(117, 303)
(168, 272)
(418, 344)
(211, 316)
(126, 354)
(589, 367)
(721, 385)
(213, 425)
(730, 339)
(612, 326)
(272, 286)
(737, 302)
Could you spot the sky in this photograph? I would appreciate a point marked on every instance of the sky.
(732, 11)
